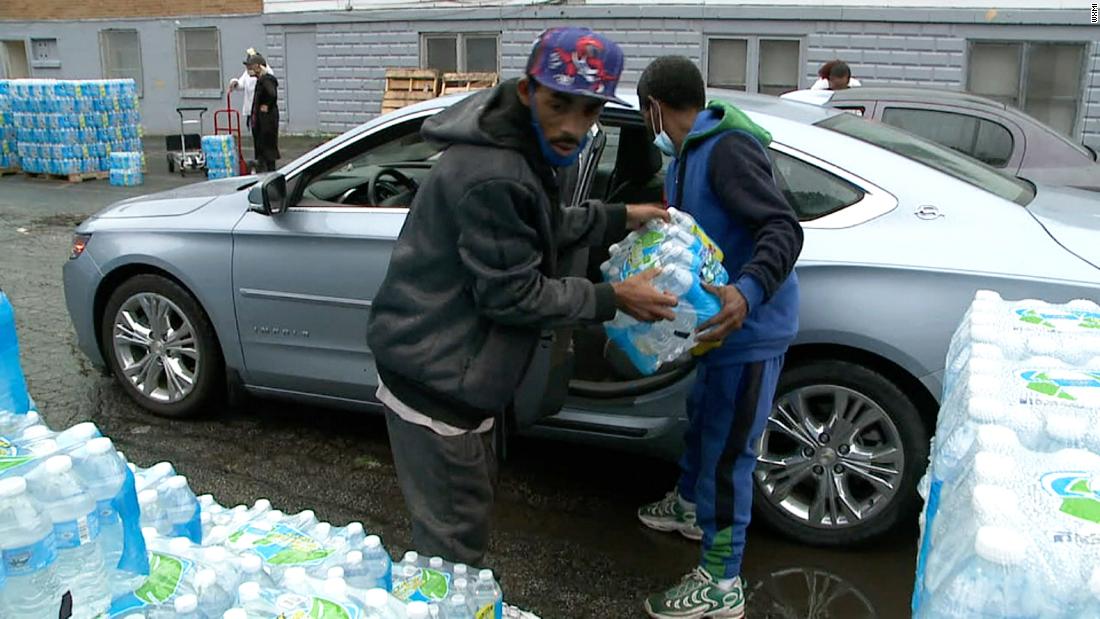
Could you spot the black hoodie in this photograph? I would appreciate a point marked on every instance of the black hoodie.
(474, 278)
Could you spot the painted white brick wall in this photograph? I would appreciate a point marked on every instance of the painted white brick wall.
(353, 55)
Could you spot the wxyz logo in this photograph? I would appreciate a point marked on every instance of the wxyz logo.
(1095, 13)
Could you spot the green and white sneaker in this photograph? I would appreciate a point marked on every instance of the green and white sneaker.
(697, 596)
(669, 514)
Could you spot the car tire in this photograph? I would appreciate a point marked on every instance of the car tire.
(195, 363)
(897, 424)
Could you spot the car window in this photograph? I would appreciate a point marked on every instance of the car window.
(932, 155)
(811, 191)
(982, 139)
(345, 176)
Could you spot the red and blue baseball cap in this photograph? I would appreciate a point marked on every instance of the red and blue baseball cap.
(577, 61)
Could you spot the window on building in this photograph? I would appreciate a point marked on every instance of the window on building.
(44, 53)
(200, 62)
(979, 138)
(1042, 79)
(121, 55)
(754, 64)
(461, 52)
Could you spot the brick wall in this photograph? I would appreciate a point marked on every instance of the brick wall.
(89, 9)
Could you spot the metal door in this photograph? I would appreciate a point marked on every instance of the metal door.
(301, 82)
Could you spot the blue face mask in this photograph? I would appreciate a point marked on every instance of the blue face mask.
(552, 157)
(662, 141)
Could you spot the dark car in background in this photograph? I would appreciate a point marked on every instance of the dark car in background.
(992, 132)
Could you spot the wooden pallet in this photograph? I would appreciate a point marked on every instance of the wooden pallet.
(465, 82)
(7, 171)
(408, 86)
(70, 178)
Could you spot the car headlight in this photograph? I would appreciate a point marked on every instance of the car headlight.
(80, 243)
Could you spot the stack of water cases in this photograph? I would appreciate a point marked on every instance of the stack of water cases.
(126, 169)
(1011, 525)
(9, 156)
(70, 127)
(221, 156)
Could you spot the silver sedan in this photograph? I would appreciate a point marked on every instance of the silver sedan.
(264, 286)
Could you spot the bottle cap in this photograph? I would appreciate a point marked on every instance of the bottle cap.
(178, 545)
(992, 466)
(161, 469)
(436, 563)
(306, 514)
(354, 557)
(235, 613)
(248, 591)
(458, 600)
(460, 569)
(410, 571)
(206, 500)
(176, 482)
(149, 533)
(261, 505)
(335, 572)
(12, 486)
(335, 586)
(412, 556)
(1000, 545)
(373, 541)
(987, 295)
(322, 530)
(44, 447)
(994, 504)
(186, 603)
(99, 446)
(148, 497)
(294, 575)
(461, 584)
(485, 575)
(80, 433)
(354, 528)
(59, 465)
(252, 564)
(417, 610)
(377, 598)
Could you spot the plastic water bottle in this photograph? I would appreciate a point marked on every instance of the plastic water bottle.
(463, 586)
(378, 563)
(355, 535)
(181, 508)
(252, 570)
(214, 598)
(457, 607)
(376, 605)
(29, 553)
(78, 435)
(151, 477)
(417, 610)
(487, 596)
(13, 385)
(152, 514)
(218, 560)
(76, 530)
(187, 606)
(995, 582)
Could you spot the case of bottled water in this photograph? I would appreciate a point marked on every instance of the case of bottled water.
(126, 168)
(14, 399)
(1011, 524)
(70, 126)
(9, 156)
(221, 156)
(687, 259)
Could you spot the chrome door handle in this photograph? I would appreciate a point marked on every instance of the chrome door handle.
(928, 212)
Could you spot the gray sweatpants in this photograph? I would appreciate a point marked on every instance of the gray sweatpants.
(448, 484)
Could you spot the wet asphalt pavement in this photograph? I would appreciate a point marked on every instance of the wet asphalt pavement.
(566, 543)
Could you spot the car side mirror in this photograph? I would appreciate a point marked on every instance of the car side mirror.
(269, 197)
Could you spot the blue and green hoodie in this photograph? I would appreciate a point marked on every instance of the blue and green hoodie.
(723, 177)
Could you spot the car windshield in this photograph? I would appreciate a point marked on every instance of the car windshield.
(932, 155)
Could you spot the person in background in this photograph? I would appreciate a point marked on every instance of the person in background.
(264, 118)
(722, 175)
(476, 279)
(835, 75)
(246, 83)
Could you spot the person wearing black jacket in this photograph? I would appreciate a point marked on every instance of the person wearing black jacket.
(475, 279)
(264, 117)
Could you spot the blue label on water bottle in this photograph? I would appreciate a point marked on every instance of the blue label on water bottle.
(27, 560)
(76, 533)
(11, 456)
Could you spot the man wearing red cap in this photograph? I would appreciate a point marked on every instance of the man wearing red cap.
(476, 278)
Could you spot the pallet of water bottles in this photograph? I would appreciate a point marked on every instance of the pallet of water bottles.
(1011, 524)
(67, 128)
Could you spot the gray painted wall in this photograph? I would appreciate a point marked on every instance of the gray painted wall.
(884, 46)
(79, 51)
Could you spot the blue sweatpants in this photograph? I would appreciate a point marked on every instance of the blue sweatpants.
(727, 411)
